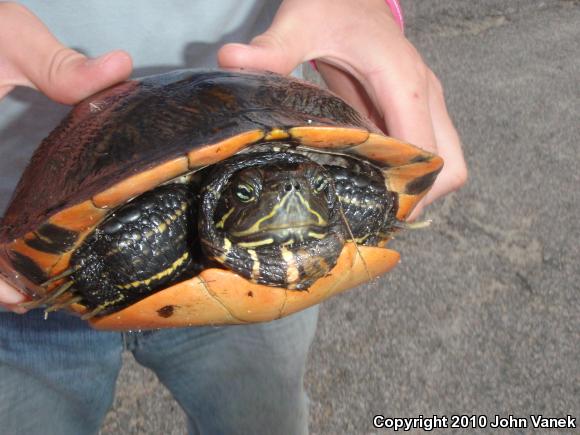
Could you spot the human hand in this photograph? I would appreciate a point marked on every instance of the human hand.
(10, 298)
(363, 57)
(31, 56)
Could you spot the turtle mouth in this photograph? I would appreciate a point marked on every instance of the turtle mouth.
(266, 229)
(279, 234)
(281, 237)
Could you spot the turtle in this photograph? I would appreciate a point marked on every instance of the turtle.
(202, 197)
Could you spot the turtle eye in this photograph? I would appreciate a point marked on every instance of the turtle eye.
(244, 192)
(320, 183)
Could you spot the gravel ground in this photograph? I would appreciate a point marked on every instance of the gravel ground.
(481, 317)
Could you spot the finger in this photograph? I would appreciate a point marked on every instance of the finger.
(397, 85)
(280, 49)
(15, 308)
(10, 298)
(399, 89)
(268, 52)
(401, 94)
(37, 59)
(454, 173)
(347, 87)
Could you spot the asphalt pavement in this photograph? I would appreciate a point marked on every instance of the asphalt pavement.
(482, 315)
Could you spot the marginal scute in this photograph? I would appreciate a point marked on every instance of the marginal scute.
(386, 151)
(139, 183)
(399, 179)
(44, 260)
(52, 239)
(422, 183)
(217, 152)
(329, 137)
(80, 217)
(406, 205)
(22, 271)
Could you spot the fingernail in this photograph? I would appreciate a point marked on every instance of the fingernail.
(237, 45)
(101, 60)
(12, 298)
(18, 310)
(9, 295)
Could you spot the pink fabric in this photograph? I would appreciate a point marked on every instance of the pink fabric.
(397, 12)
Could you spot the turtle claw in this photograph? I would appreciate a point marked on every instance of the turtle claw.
(64, 304)
(49, 297)
(412, 225)
(93, 313)
(61, 275)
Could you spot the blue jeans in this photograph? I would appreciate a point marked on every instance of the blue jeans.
(57, 376)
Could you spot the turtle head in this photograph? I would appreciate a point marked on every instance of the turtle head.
(282, 203)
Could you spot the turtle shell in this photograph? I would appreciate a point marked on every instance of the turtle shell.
(141, 133)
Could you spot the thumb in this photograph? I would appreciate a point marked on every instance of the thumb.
(72, 76)
(10, 297)
(278, 50)
(35, 58)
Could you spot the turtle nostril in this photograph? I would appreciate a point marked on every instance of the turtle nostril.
(289, 186)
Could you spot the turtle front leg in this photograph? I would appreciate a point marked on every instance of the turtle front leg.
(142, 247)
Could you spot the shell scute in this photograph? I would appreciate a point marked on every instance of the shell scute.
(140, 183)
(216, 152)
(329, 137)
